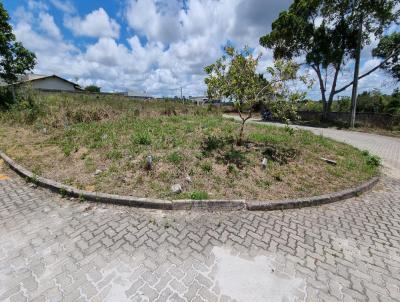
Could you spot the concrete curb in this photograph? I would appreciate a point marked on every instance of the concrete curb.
(150, 203)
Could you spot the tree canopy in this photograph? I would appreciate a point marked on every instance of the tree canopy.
(234, 76)
(388, 46)
(15, 60)
(325, 32)
(92, 88)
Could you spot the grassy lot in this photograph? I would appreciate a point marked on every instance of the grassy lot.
(101, 144)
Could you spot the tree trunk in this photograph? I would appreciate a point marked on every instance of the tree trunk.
(356, 75)
(240, 140)
(325, 111)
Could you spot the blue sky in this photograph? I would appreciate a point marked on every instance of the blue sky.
(155, 46)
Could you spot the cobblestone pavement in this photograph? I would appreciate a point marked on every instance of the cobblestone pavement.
(54, 249)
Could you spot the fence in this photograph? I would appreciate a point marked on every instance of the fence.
(381, 120)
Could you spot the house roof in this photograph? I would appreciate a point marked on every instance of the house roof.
(30, 77)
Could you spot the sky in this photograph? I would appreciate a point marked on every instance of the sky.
(153, 46)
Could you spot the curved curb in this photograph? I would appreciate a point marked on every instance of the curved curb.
(150, 203)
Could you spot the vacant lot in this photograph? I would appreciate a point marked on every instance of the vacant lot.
(101, 144)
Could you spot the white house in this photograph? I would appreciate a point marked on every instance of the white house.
(199, 100)
(52, 82)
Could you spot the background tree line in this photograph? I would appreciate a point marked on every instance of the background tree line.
(367, 102)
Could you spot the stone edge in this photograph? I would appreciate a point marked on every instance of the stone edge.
(150, 203)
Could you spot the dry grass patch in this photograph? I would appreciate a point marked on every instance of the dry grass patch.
(104, 146)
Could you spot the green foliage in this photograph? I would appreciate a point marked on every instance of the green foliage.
(371, 160)
(175, 158)
(328, 44)
(212, 143)
(199, 195)
(235, 157)
(27, 110)
(206, 167)
(143, 138)
(280, 154)
(15, 60)
(390, 46)
(92, 88)
(234, 77)
(232, 170)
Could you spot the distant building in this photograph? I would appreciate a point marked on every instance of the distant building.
(138, 95)
(199, 100)
(49, 83)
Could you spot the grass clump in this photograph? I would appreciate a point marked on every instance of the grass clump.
(199, 195)
(236, 157)
(371, 160)
(175, 158)
(142, 139)
(206, 167)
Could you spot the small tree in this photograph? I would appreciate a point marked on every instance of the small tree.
(92, 88)
(15, 60)
(234, 76)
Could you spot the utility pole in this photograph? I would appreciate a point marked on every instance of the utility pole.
(181, 94)
(356, 69)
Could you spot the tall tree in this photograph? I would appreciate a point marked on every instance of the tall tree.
(15, 60)
(326, 34)
(389, 47)
(367, 18)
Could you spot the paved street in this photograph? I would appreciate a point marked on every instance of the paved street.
(54, 249)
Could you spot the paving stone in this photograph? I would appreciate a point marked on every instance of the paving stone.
(53, 249)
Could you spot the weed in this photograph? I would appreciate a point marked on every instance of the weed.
(199, 195)
(373, 161)
(143, 139)
(175, 158)
(263, 183)
(232, 170)
(206, 167)
(235, 157)
(289, 130)
(114, 154)
(212, 143)
(81, 198)
(282, 155)
(34, 179)
(63, 193)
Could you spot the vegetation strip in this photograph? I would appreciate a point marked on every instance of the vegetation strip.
(189, 204)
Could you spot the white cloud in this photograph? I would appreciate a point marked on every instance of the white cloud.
(48, 25)
(96, 24)
(167, 46)
(65, 6)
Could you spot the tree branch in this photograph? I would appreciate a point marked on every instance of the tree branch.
(321, 82)
(396, 52)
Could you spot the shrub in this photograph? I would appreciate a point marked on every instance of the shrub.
(373, 160)
(143, 138)
(199, 195)
(235, 157)
(212, 143)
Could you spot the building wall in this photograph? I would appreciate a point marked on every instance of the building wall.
(52, 84)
